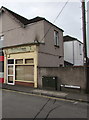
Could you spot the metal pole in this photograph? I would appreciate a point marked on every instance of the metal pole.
(85, 43)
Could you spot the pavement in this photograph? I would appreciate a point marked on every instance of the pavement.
(81, 97)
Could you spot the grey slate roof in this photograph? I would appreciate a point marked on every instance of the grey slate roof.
(68, 38)
(26, 21)
(22, 19)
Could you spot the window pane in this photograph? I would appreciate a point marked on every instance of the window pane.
(11, 61)
(56, 38)
(25, 73)
(29, 61)
(19, 72)
(10, 70)
(29, 73)
(19, 61)
(10, 79)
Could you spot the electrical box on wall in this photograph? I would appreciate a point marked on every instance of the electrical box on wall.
(49, 82)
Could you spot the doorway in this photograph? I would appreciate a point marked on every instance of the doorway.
(11, 71)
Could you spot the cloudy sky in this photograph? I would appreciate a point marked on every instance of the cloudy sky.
(70, 19)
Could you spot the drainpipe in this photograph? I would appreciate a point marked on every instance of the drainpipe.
(85, 45)
(73, 54)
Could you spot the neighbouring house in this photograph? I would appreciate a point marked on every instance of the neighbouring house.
(73, 51)
(27, 45)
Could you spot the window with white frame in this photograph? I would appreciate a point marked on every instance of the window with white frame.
(1, 37)
(56, 38)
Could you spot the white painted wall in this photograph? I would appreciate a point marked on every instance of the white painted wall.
(73, 53)
(68, 51)
(78, 53)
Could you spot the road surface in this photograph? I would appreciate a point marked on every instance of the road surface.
(24, 105)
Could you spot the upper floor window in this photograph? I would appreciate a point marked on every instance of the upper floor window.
(56, 38)
(1, 38)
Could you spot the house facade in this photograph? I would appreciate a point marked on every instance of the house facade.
(27, 45)
(73, 51)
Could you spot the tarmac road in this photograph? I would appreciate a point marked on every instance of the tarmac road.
(24, 105)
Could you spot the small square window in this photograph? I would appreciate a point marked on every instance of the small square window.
(19, 61)
(11, 61)
(10, 79)
(27, 61)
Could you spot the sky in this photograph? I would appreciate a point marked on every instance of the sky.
(70, 19)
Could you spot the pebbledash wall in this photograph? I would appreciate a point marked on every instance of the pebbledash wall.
(74, 76)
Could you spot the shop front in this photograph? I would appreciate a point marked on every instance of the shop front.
(20, 65)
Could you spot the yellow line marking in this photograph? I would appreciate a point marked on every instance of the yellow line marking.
(32, 94)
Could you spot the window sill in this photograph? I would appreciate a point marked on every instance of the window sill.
(57, 46)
